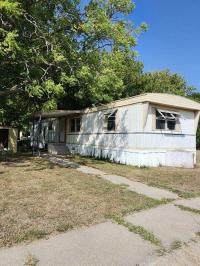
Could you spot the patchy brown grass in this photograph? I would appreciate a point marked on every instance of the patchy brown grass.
(185, 182)
(38, 199)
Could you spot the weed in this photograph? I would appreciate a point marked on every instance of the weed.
(31, 261)
(184, 208)
(175, 245)
(145, 234)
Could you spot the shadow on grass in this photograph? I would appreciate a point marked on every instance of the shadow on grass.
(85, 160)
(21, 160)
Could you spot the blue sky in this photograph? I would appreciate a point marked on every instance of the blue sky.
(173, 38)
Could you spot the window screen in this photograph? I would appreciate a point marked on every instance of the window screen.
(72, 125)
(166, 120)
(78, 124)
(50, 125)
(75, 124)
(111, 120)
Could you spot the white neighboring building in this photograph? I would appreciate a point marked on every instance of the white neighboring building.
(153, 129)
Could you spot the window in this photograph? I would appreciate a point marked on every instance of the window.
(110, 119)
(166, 120)
(75, 124)
(50, 125)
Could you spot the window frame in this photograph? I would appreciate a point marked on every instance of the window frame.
(77, 126)
(50, 125)
(164, 113)
(107, 116)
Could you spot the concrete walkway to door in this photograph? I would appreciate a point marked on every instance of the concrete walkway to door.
(140, 188)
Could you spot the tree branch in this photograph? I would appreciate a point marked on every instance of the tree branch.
(14, 89)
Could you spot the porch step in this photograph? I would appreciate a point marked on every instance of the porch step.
(58, 148)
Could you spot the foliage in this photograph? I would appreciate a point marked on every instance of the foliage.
(196, 97)
(63, 55)
(59, 49)
(160, 81)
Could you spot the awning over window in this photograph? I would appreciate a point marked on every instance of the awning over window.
(110, 113)
(169, 115)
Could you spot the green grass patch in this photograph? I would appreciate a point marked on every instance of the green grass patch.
(184, 208)
(139, 230)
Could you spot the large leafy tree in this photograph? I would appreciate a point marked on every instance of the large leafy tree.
(59, 54)
(29, 57)
(161, 82)
(106, 42)
(56, 49)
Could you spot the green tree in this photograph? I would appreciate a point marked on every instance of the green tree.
(107, 43)
(53, 49)
(29, 59)
(161, 82)
(196, 97)
(57, 54)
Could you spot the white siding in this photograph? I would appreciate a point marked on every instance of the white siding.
(131, 143)
(186, 121)
(135, 141)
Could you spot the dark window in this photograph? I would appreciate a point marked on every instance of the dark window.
(160, 124)
(78, 124)
(111, 121)
(171, 125)
(75, 124)
(50, 126)
(72, 126)
(166, 120)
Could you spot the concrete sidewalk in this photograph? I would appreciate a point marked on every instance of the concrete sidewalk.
(193, 203)
(168, 223)
(140, 188)
(105, 244)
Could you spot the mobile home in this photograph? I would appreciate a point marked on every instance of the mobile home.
(153, 129)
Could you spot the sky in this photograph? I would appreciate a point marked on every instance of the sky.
(173, 38)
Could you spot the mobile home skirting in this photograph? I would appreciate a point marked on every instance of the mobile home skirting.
(151, 158)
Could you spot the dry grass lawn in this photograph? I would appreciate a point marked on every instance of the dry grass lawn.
(38, 199)
(185, 182)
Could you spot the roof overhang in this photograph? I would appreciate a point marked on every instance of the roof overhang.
(161, 99)
(56, 113)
